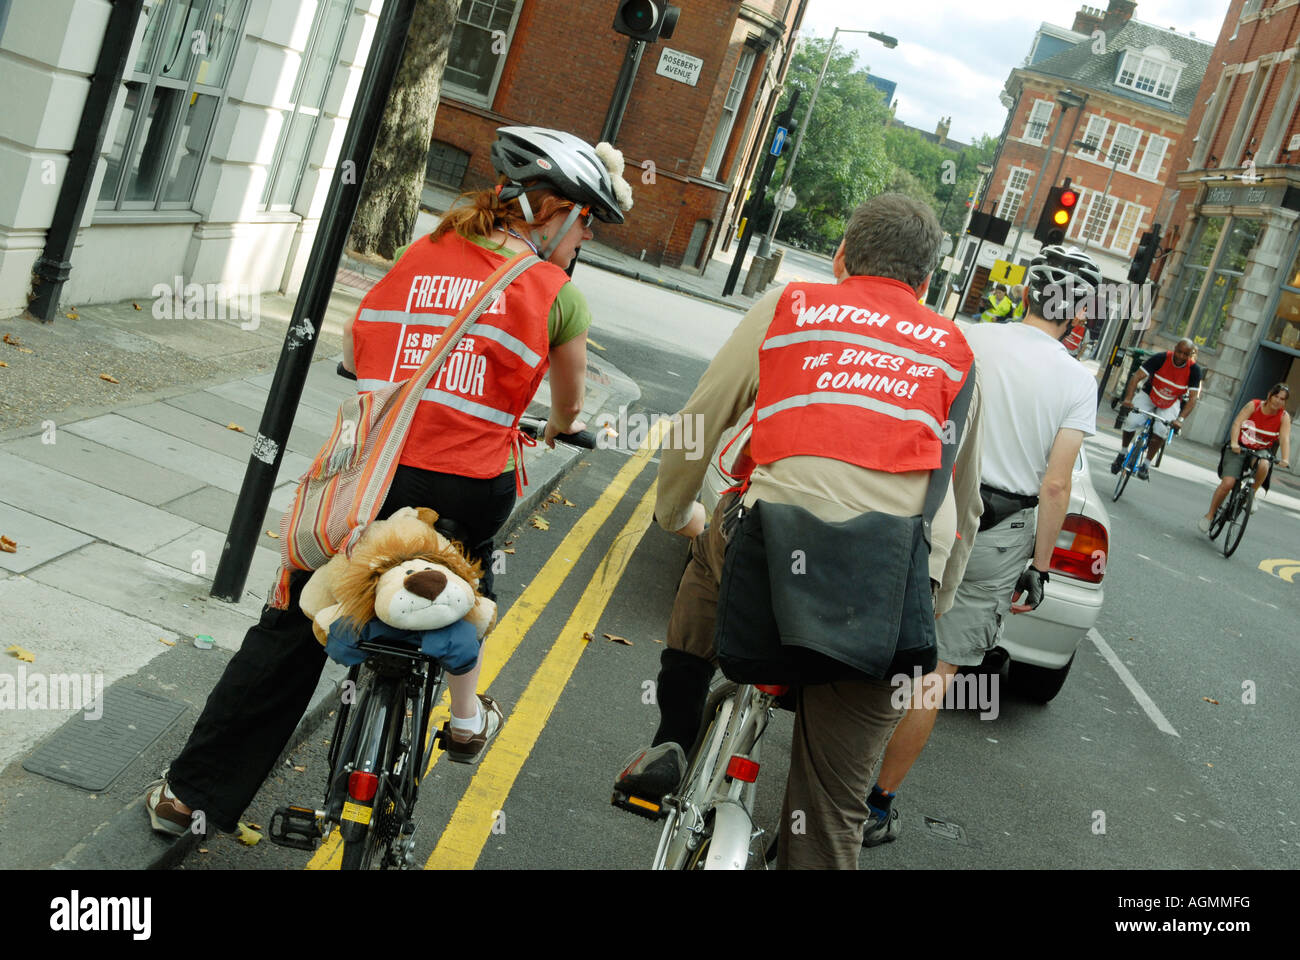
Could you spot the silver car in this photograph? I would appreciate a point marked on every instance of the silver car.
(1037, 648)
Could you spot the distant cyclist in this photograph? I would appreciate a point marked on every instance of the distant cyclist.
(1166, 378)
(1261, 425)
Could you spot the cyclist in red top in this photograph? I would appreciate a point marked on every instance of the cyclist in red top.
(1169, 377)
(1260, 425)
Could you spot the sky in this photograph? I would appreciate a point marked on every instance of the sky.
(953, 56)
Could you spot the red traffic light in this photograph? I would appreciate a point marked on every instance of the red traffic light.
(1069, 198)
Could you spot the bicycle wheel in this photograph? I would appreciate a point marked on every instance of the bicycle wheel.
(1237, 522)
(378, 746)
(1121, 479)
(1221, 516)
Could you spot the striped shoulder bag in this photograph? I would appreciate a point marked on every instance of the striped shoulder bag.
(349, 479)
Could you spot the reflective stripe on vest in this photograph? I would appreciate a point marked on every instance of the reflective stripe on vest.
(1255, 431)
(1169, 383)
(879, 400)
(464, 424)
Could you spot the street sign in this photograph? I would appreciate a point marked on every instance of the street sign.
(778, 141)
(945, 248)
(1006, 272)
(785, 200)
(679, 66)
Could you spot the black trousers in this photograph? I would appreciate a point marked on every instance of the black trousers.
(255, 707)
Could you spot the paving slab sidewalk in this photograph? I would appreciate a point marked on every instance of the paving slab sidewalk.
(118, 497)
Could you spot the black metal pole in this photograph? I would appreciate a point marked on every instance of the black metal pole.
(622, 90)
(313, 298)
(55, 262)
(755, 201)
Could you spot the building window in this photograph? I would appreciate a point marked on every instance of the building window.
(1219, 282)
(318, 62)
(1149, 72)
(1128, 224)
(479, 45)
(1285, 330)
(1097, 220)
(1095, 136)
(446, 165)
(1124, 145)
(1154, 157)
(173, 93)
(1200, 253)
(730, 107)
(1013, 193)
(1039, 117)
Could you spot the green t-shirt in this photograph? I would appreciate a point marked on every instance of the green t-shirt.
(569, 317)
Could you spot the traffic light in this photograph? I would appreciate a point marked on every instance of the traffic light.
(647, 20)
(1057, 211)
(1148, 246)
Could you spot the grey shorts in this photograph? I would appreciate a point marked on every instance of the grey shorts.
(997, 558)
(1232, 462)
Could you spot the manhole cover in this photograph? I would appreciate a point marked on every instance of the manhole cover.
(92, 753)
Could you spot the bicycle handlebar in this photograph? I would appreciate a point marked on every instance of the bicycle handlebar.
(530, 425)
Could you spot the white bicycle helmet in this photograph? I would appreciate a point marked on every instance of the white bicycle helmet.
(532, 158)
(1063, 276)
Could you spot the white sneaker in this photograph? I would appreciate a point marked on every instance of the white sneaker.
(1203, 525)
(1254, 504)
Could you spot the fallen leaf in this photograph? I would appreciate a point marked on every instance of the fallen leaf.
(273, 535)
(657, 640)
(508, 542)
(136, 305)
(170, 643)
(1208, 700)
(588, 637)
(110, 379)
(555, 497)
(617, 639)
(203, 849)
(25, 350)
(7, 545)
(253, 826)
(11, 340)
(25, 656)
(247, 836)
(511, 550)
(300, 768)
(72, 316)
(569, 503)
(3, 364)
(539, 523)
(234, 426)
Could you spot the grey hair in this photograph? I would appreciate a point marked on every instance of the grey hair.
(892, 235)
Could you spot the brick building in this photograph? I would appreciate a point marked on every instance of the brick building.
(1232, 278)
(1103, 103)
(691, 140)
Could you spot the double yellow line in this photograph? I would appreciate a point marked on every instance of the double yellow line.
(476, 814)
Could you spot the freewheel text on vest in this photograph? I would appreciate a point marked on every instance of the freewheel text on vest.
(443, 292)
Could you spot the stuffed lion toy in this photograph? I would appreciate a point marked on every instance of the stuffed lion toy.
(403, 572)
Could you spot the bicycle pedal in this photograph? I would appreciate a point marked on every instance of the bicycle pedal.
(640, 806)
(296, 827)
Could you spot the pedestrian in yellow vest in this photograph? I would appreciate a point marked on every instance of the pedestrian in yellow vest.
(1018, 298)
(1000, 307)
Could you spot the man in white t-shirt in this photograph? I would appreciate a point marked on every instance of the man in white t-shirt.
(1039, 404)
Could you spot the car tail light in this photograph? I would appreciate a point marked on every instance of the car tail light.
(1081, 549)
(363, 786)
(742, 768)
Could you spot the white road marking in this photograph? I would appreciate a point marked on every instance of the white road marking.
(1135, 688)
(1157, 563)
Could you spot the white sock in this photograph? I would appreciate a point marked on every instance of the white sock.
(1146, 460)
(471, 726)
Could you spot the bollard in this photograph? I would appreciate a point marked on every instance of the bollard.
(773, 264)
(755, 276)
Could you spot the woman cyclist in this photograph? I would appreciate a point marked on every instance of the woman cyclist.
(462, 456)
(1259, 425)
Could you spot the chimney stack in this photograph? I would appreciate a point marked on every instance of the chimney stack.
(1087, 20)
(1118, 13)
(941, 131)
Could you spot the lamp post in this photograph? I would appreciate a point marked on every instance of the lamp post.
(984, 169)
(765, 246)
(1066, 99)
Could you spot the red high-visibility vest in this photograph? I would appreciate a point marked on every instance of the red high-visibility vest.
(467, 419)
(1169, 383)
(1075, 337)
(1260, 430)
(860, 372)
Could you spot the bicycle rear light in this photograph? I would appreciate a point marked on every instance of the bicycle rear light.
(363, 786)
(773, 689)
(1081, 549)
(742, 768)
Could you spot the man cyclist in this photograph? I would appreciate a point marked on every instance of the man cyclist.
(1039, 404)
(1260, 425)
(829, 356)
(1166, 378)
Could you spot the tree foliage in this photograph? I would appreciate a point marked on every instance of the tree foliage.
(390, 192)
(850, 152)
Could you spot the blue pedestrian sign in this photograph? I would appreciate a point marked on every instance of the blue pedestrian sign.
(778, 141)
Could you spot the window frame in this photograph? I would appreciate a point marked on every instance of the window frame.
(1123, 249)
(1127, 165)
(274, 170)
(727, 122)
(1164, 150)
(464, 94)
(1093, 197)
(1098, 153)
(1133, 63)
(1046, 121)
(1008, 189)
(190, 89)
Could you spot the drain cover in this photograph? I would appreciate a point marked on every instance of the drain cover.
(945, 829)
(92, 753)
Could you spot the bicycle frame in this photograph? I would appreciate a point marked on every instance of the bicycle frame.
(1134, 451)
(1234, 512)
(710, 822)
